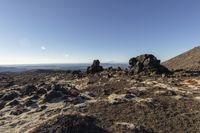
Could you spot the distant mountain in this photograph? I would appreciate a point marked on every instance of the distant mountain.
(189, 60)
(11, 69)
(22, 68)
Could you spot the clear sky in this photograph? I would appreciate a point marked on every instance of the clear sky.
(78, 31)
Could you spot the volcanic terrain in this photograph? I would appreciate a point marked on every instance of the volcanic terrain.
(144, 98)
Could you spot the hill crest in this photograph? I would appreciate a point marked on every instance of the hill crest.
(189, 60)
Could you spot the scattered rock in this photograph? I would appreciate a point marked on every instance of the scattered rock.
(28, 90)
(43, 107)
(41, 91)
(119, 69)
(77, 73)
(29, 103)
(2, 104)
(95, 67)
(116, 98)
(10, 96)
(168, 93)
(14, 103)
(51, 95)
(83, 98)
(1, 95)
(18, 110)
(59, 88)
(34, 97)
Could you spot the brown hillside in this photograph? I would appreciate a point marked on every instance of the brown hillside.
(189, 60)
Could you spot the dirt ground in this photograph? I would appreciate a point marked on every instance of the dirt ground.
(108, 102)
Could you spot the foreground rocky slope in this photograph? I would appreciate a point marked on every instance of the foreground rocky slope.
(111, 101)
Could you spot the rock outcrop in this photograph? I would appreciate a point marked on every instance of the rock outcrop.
(95, 67)
(146, 64)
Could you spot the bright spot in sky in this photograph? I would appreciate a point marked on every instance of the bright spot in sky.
(43, 48)
(66, 55)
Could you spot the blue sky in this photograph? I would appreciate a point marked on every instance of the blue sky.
(78, 31)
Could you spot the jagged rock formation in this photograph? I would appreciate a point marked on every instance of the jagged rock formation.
(189, 60)
(95, 67)
(146, 64)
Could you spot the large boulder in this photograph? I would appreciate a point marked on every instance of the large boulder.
(95, 67)
(146, 64)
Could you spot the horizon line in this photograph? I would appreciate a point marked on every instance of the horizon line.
(61, 63)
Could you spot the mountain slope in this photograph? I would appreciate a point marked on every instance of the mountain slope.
(189, 60)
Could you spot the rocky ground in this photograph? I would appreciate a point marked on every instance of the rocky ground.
(146, 98)
(107, 102)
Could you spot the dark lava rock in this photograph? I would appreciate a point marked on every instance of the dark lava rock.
(58, 91)
(10, 96)
(77, 73)
(95, 67)
(59, 88)
(29, 102)
(70, 91)
(34, 97)
(73, 92)
(119, 69)
(18, 110)
(1, 95)
(52, 95)
(43, 107)
(2, 104)
(41, 91)
(28, 90)
(14, 103)
(146, 64)
(70, 124)
(169, 93)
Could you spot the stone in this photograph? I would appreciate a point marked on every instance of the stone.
(2, 104)
(43, 107)
(14, 103)
(34, 97)
(77, 73)
(52, 95)
(28, 90)
(18, 110)
(95, 67)
(119, 69)
(41, 91)
(1, 95)
(10, 96)
(29, 102)
(169, 93)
